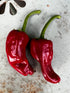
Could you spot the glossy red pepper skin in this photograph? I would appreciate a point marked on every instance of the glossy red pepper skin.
(16, 52)
(42, 51)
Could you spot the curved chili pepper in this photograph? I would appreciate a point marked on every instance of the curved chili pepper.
(42, 50)
(16, 48)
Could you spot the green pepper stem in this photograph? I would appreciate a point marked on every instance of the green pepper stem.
(47, 24)
(27, 17)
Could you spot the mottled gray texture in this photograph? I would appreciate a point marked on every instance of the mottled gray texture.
(59, 32)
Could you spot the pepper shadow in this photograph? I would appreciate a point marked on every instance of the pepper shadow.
(35, 65)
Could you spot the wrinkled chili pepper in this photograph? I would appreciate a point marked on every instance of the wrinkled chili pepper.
(42, 50)
(16, 48)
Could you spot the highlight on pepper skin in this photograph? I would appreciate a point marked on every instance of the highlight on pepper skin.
(16, 52)
(42, 50)
(16, 43)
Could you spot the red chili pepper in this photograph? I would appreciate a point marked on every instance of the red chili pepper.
(42, 50)
(16, 48)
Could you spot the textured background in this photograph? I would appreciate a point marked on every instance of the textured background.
(59, 32)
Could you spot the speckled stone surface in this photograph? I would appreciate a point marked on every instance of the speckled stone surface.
(59, 32)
